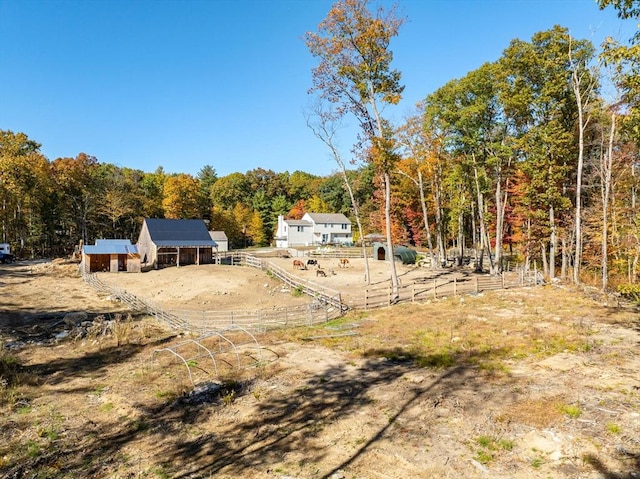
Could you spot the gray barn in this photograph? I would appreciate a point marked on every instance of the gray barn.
(175, 242)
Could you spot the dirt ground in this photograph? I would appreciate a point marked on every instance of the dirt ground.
(212, 287)
(530, 383)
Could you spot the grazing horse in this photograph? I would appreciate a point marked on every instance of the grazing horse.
(320, 272)
(344, 262)
(312, 262)
(297, 264)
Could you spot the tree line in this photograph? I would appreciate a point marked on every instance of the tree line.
(48, 207)
(532, 157)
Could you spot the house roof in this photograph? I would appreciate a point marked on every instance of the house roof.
(329, 218)
(179, 233)
(111, 246)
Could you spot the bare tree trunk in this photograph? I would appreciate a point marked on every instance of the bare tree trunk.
(387, 199)
(553, 244)
(565, 258)
(461, 237)
(325, 130)
(501, 202)
(425, 216)
(582, 100)
(545, 263)
(387, 216)
(484, 237)
(606, 163)
(437, 196)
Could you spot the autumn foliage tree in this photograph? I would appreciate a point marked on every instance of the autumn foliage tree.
(352, 46)
(182, 197)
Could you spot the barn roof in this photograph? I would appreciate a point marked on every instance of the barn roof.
(179, 233)
(111, 246)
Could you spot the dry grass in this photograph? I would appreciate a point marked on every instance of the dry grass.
(404, 390)
(489, 331)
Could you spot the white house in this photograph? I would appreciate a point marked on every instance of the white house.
(314, 229)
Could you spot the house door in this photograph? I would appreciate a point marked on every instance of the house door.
(325, 237)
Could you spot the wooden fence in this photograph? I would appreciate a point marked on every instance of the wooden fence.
(135, 303)
(433, 288)
(342, 252)
(327, 304)
(260, 320)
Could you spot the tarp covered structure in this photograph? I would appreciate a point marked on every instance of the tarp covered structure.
(400, 253)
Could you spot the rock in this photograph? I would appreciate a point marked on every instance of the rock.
(207, 392)
(545, 442)
(62, 335)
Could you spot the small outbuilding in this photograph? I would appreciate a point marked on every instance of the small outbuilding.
(400, 253)
(220, 237)
(175, 242)
(112, 255)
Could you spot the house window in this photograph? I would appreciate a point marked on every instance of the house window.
(300, 229)
(326, 225)
(344, 226)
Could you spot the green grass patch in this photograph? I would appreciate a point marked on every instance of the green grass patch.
(572, 411)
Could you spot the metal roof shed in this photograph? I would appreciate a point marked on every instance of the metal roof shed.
(111, 255)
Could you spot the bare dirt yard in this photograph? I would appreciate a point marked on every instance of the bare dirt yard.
(522, 383)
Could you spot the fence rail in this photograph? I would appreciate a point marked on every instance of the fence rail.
(433, 288)
(327, 303)
(336, 253)
(325, 306)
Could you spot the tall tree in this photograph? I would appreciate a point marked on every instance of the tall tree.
(626, 60)
(206, 177)
(583, 84)
(25, 192)
(541, 109)
(77, 180)
(354, 72)
(230, 190)
(182, 197)
(325, 125)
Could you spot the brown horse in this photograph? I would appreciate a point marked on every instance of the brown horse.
(344, 262)
(297, 264)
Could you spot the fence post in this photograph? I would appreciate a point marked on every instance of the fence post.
(502, 280)
(435, 285)
(455, 287)
(413, 292)
(477, 286)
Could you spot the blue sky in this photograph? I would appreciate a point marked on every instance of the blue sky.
(184, 84)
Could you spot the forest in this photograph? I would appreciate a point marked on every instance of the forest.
(533, 157)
